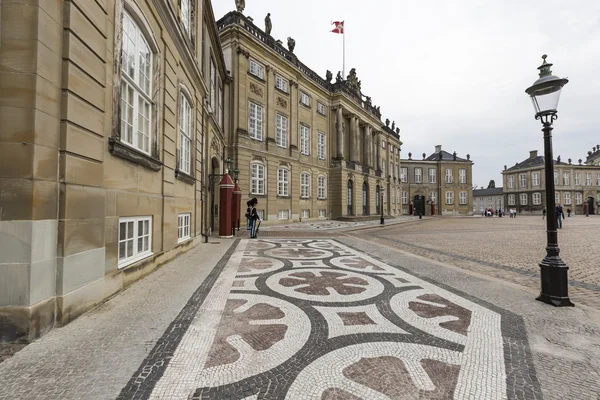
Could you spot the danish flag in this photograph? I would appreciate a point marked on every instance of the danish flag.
(339, 27)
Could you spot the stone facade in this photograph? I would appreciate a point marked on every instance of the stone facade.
(111, 119)
(441, 179)
(484, 199)
(307, 148)
(577, 186)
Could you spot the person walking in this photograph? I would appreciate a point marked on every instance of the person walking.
(569, 212)
(560, 215)
(544, 213)
(253, 218)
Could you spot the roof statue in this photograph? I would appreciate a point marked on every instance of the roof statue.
(387, 122)
(291, 44)
(353, 82)
(338, 77)
(268, 25)
(240, 5)
(394, 125)
(398, 131)
(328, 76)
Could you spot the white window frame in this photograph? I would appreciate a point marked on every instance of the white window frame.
(462, 198)
(578, 199)
(598, 179)
(511, 199)
(576, 178)
(304, 185)
(321, 145)
(557, 197)
(186, 15)
(305, 139)
(255, 121)
(305, 213)
(256, 69)
(392, 168)
(404, 197)
(136, 89)
(555, 178)
(304, 99)
(404, 174)
(283, 182)
(522, 180)
(282, 84)
(136, 255)
(536, 179)
(321, 108)
(449, 177)
(283, 214)
(257, 178)
(322, 213)
(449, 197)
(433, 197)
(183, 227)
(213, 85)
(418, 175)
(382, 144)
(537, 199)
(185, 135)
(281, 130)
(462, 176)
(566, 179)
(511, 182)
(321, 187)
(567, 196)
(523, 199)
(432, 175)
(588, 179)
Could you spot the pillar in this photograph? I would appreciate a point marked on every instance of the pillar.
(378, 151)
(352, 137)
(340, 133)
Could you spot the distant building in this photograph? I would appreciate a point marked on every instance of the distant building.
(484, 199)
(577, 186)
(442, 178)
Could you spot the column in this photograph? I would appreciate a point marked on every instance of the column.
(378, 152)
(340, 133)
(352, 136)
(356, 139)
(366, 146)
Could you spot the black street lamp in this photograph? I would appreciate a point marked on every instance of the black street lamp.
(382, 221)
(545, 93)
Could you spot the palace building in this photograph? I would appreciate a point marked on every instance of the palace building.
(307, 148)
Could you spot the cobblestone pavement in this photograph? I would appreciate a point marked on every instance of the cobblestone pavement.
(506, 248)
(332, 224)
(312, 318)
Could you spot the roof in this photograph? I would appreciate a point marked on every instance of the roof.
(487, 192)
(532, 162)
(445, 157)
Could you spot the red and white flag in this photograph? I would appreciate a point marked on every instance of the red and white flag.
(339, 27)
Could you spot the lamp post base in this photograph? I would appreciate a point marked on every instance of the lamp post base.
(555, 282)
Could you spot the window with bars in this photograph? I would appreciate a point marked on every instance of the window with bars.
(281, 83)
(283, 182)
(281, 130)
(304, 185)
(304, 139)
(135, 239)
(136, 87)
(320, 145)
(321, 187)
(257, 179)
(257, 69)
(185, 135)
(255, 123)
(183, 227)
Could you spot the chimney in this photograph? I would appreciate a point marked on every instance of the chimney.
(533, 154)
(438, 148)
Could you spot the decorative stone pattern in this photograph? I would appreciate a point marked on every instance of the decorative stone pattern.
(315, 319)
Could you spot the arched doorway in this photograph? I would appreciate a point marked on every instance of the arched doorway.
(350, 198)
(419, 205)
(213, 187)
(365, 198)
(377, 199)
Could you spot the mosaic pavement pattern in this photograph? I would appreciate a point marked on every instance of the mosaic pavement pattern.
(315, 319)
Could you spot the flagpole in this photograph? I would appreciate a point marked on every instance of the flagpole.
(344, 52)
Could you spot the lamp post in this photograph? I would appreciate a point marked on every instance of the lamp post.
(545, 93)
(382, 190)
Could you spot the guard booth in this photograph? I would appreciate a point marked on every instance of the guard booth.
(419, 205)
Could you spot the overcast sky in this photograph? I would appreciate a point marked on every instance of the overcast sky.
(455, 72)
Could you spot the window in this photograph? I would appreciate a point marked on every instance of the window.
(383, 168)
(404, 197)
(576, 178)
(304, 139)
(433, 196)
(403, 174)
(523, 199)
(213, 86)
(392, 169)
(185, 135)
(567, 198)
(281, 83)
(322, 213)
(555, 178)
(257, 185)
(449, 177)
(256, 121)
(588, 179)
(382, 144)
(537, 199)
(135, 239)
(397, 170)
(220, 104)
(305, 213)
(418, 175)
(305, 99)
(598, 179)
(304, 185)
(462, 197)
(321, 187)
(261, 214)
(522, 180)
(449, 197)
(183, 227)
(566, 179)
(557, 197)
(283, 182)
(511, 182)
(321, 108)
(186, 15)
(283, 214)
(136, 87)
(511, 199)
(462, 175)
(256, 69)
(432, 175)
(536, 179)
(320, 145)
(578, 199)
(281, 135)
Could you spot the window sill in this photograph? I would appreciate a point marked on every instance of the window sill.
(183, 240)
(305, 105)
(282, 91)
(283, 197)
(258, 78)
(121, 150)
(135, 259)
(182, 176)
(321, 114)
